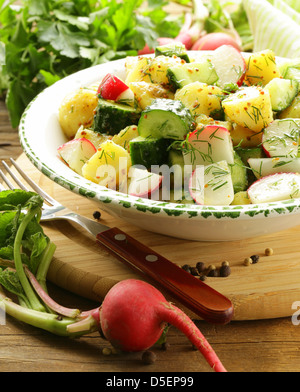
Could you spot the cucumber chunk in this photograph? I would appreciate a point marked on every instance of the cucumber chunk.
(282, 93)
(111, 117)
(201, 71)
(148, 151)
(238, 174)
(177, 49)
(176, 158)
(167, 119)
(247, 153)
(176, 162)
(241, 198)
(292, 111)
(292, 73)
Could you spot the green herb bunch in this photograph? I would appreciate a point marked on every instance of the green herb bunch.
(23, 243)
(26, 253)
(42, 41)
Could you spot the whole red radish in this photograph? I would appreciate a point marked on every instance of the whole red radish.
(188, 38)
(194, 24)
(133, 316)
(212, 41)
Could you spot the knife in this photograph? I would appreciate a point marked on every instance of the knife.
(197, 296)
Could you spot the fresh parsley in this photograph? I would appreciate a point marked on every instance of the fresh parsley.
(42, 41)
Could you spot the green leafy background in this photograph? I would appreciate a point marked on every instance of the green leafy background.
(42, 41)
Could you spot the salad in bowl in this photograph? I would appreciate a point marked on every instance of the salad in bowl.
(198, 145)
(216, 128)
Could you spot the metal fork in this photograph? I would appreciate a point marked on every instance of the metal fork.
(52, 209)
(190, 291)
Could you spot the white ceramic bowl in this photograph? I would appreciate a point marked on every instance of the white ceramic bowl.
(40, 135)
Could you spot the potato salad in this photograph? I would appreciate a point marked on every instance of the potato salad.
(211, 128)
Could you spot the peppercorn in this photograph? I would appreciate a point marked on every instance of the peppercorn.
(225, 263)
(248, 261)
(97, 215)
(200, 266)
(165, 346)
(148, 357)
(194, 271)
(202, 278)
(268, 251)
(254, 258)
(106, 351)
(186, 268)
(213, 272)
(225, 270)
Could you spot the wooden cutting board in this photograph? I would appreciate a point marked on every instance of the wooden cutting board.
(260, 291)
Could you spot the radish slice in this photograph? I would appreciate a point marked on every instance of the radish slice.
(143, 183)
(126, 96)
(281, 138)
(262, 167)
(230, 65)
(276, 187)
(114, 89)
(218, 188)
(76, 153)
(209, 144)
(196, 185)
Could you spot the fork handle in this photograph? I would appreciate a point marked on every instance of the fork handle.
(190, 291)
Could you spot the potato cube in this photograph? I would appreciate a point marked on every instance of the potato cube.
(108, 166)
(95, 137)
(123, 137)
(201, 99)
(249, 107)
(244, 137)
(151, 70)
(145, 93)
(261, 68)
(203, 120)
(77, 109)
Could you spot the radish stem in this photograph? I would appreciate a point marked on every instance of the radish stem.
(47, 321)
(188, 36)
(200, 10)
(85, 325)
(45, 262)
(34, 302)
(187, 23)
(72, 313)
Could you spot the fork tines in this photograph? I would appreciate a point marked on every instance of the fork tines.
(19, 183)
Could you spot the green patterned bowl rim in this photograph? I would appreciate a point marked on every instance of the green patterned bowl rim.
(95, 192)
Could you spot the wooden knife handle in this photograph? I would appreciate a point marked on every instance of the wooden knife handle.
(190, 291)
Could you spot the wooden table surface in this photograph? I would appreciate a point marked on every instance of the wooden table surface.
(243, 346)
